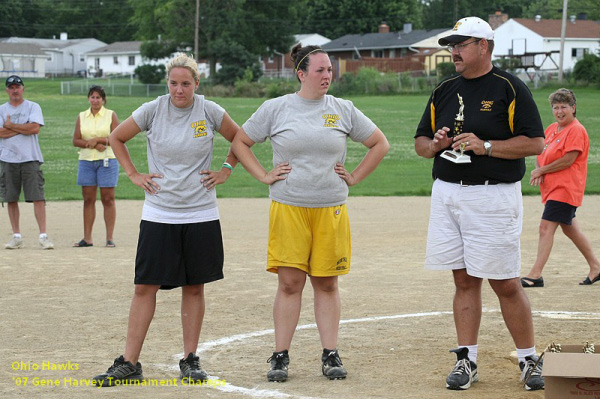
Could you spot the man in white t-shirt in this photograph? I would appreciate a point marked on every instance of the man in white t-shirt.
(21, 159)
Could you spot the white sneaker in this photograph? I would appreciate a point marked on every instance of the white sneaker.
(46, 243)
(14, 243)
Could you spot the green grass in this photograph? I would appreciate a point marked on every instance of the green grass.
(402, 172)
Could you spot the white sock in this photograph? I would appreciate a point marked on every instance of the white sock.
(472, 352)
(521, 353)
(43, 235)
(17, 235)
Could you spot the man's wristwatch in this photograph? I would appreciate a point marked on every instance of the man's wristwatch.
(487, 146)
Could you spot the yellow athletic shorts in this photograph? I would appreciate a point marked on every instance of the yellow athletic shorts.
(314, 240)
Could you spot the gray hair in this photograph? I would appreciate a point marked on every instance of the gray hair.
(563, 96)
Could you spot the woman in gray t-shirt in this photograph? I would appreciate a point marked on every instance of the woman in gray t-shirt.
(309, 230)
(180, 243)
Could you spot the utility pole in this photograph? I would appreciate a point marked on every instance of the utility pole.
(197, 29)
(563, 32)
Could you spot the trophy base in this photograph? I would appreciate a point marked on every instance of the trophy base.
(455, 157)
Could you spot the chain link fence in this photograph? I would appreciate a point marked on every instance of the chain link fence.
(113, 88)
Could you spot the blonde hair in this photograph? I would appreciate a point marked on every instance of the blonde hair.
(183, 60)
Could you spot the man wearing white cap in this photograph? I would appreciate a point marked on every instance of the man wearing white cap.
(476, 207)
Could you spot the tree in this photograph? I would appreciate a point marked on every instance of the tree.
(251, 27)
(155, 50)
(552, 9)
(444, 13)
(237, 63)
(104, 20)
(335, 18)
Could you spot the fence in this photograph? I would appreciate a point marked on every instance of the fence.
(113, 88)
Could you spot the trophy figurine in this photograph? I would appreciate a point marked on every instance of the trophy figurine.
(459, 123)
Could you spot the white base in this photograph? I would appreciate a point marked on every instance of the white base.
(455, 157)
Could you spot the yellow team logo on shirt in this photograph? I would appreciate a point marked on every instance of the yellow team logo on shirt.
(331, 120)
(486, 105)
(199, 129)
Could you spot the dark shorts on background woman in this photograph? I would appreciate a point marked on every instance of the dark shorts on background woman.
(559, 212)
(174, 255)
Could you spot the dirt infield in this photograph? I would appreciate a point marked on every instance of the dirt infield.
(71, 305)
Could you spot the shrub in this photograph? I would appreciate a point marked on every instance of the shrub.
(281, 88)
(243, 88)
(508, 64)
(587, 69)
(445, 70)
(150, 74)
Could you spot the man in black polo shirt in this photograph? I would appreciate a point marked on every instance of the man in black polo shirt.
(476, 207)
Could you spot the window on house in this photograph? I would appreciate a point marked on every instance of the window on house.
(81, 58)
(377, 53)
(271, 60)
(131, 60)
(579, 52)
(393, 53)
(115, 60)
(97, 63)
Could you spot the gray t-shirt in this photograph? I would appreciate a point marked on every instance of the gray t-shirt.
(310, 135)
(180, 145)
(22, 147)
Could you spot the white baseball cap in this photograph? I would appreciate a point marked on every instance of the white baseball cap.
(466, 28)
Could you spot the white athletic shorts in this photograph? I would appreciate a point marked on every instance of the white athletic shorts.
(477, 228)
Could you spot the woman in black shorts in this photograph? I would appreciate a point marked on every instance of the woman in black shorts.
(180, 241)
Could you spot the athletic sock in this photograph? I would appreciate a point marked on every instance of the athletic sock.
(43, 235)
(17, 235)
(522, 353)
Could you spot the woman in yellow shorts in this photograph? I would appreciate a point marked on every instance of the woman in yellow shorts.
(309, 232)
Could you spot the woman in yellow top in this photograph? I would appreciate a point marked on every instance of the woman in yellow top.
(98, 166)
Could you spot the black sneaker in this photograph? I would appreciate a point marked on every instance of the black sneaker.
(531, 373)
(191, 370)
(464, 372)
(118, 373)
(332, 366)
(279, 366)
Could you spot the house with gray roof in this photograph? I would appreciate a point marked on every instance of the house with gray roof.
(118, 58)
(64, 56)
(387, 51)
(25, 60)
(383, 44)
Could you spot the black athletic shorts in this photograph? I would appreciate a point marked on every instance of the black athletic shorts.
(559, 212)
(174, 255)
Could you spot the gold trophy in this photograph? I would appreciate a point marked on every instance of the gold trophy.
(459, 124)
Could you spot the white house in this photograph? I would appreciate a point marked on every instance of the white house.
(63, 56)
(117, 58)
(540, 38)
(25, 60)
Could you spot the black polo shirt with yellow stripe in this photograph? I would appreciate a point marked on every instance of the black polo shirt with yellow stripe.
(497, 106)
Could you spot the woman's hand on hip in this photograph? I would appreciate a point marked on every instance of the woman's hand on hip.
(344, 174)
(211, 178)
(279, 172)
(146, 182)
